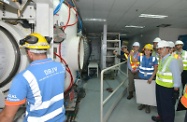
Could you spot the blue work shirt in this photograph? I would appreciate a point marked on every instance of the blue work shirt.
(41, 85)
(146, 67)
(175, 70)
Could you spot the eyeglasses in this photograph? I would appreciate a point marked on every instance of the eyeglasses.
(29, 39)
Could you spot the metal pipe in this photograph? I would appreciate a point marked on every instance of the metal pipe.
(113, 92)
(101, 100)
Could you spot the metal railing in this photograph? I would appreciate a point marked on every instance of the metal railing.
(103, 102)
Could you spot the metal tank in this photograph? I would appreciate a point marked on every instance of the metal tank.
(18, 20)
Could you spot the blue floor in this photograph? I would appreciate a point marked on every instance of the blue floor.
(125, 111)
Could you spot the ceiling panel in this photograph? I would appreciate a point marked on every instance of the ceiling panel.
(103, 5)
(180, 5)
(125, 12)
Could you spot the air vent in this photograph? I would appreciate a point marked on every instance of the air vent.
(164, 25)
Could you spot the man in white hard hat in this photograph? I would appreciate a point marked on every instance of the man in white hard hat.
(183, 54)
(179, 59)
(133, 69)
(172, 47)
(168, 81)
(155, 42)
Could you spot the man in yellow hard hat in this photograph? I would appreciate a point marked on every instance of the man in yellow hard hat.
(40, 86)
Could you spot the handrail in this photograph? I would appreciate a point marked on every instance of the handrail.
(102, 102)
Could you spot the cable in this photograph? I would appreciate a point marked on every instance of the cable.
(58, 7)
(67, 68)
(69, 14)
(65, 26)
(79, 18)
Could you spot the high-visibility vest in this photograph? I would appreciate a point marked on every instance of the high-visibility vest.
(154, 53)
(146, 70)
(184, 98)
(176, 56)
(135, 65)
(179, 59)
(158, 59)
(126, 55)
(184, 59)
(164, 76)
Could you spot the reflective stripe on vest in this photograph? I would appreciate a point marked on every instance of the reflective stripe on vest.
(126, 56)
(184, 98)
(39, 104)
(46, 117)
(184, 59)
(134, 65)
(148, 71)
(164, 76)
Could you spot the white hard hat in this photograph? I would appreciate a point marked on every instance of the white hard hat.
(179, 42)
(157, 39)
(162, 44)
(171, 44)
(137, 44)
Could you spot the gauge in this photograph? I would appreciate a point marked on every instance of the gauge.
(9, 57)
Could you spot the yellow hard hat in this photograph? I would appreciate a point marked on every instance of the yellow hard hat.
(36, 41)
(148, 46)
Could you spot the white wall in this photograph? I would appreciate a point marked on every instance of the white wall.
(171, 34)
(144, 38)
(96, 50)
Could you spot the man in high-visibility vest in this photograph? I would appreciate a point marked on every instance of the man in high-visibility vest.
(155, 42)
(125, 53)
(183, 54)
(178, 57)
(184, 101)
(133, 69)
(168, 81)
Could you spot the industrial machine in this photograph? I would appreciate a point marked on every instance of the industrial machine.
(55, 18)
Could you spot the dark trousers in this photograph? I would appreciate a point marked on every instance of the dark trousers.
(185, 119)
(184, 78)
(165, 103)
(131, 77)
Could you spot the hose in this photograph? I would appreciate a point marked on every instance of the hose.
(58, 7)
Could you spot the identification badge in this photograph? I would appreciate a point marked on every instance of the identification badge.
(145, 74)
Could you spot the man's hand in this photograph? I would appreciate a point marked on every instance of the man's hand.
(176, 94)
(115, 52)
(133, 71)
(131, 53)
(149, 81)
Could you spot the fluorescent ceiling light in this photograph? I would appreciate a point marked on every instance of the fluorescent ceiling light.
(94, 19)
(133, 26)
(153, 16)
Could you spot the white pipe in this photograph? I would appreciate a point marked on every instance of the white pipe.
(101, 94)
(106, 100)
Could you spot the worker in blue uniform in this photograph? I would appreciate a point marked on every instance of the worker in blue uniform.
(147, 69)
(40, 86)
(168, 81)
